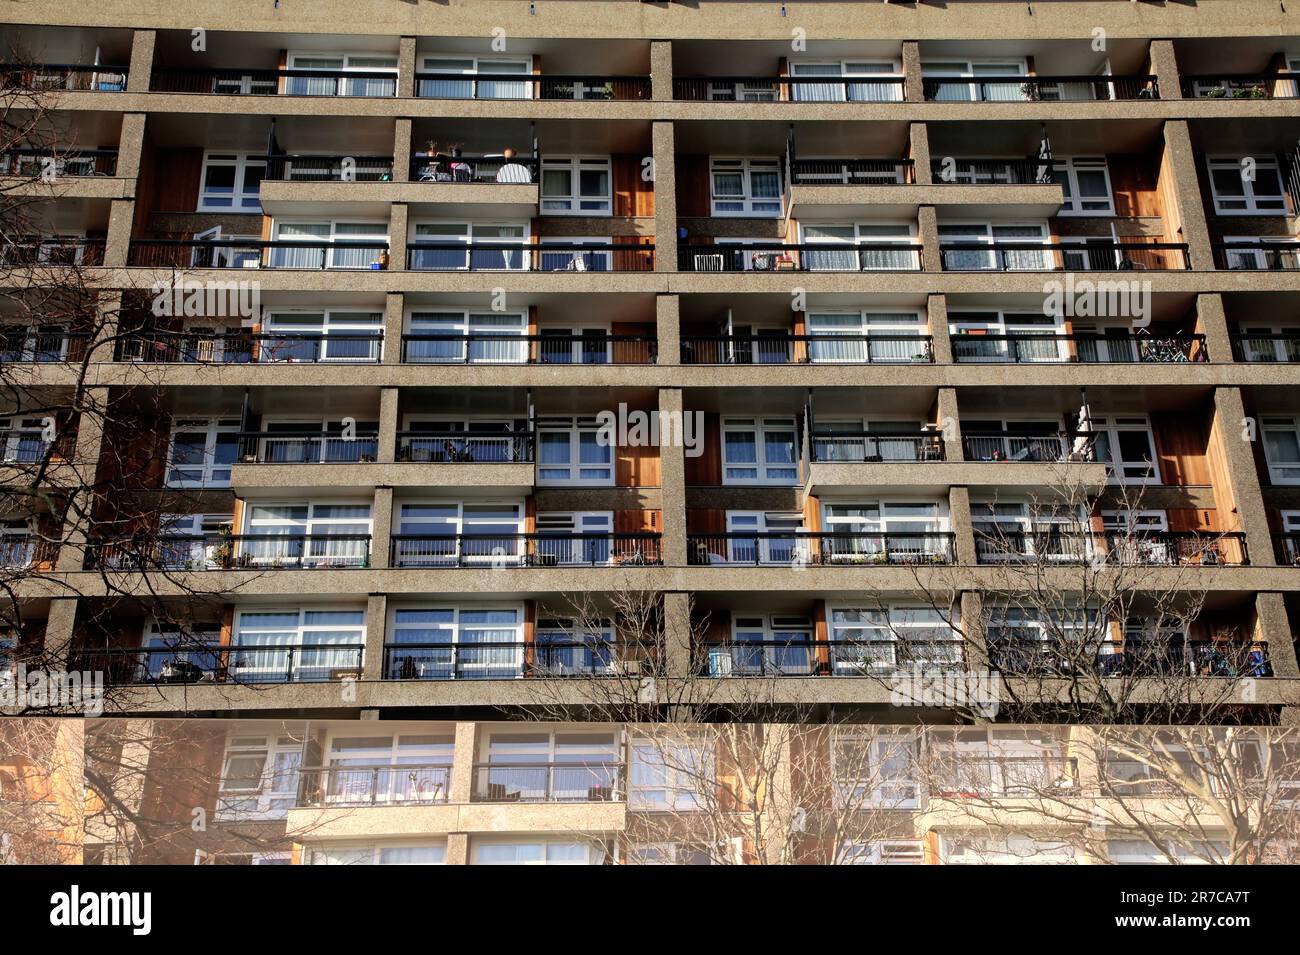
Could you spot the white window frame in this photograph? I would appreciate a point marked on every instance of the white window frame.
(1067, 169)
(1280, 472)
(333, 257)
(267, 801)
(464, 323)
(584, 852)
(346, 65)
(313, 528)
(336, 321)
(1251, 202)
(855, 259)
(474, 74)
(242, 163)
(986, 233)
(877, 633)
(795, 633)
(968, 70)
(885, 852)
(877, 790)
(764, 474)
(465, 233)
(575, 203)
(300, 634)
(863, 322)
(454, 526)
(212, 473)
(568, 550)
(850, 69)
(781, 551)
(507, 657)
(660, 784)
(370, 853)
(1124, 471)
(751, 205)
(576, 427)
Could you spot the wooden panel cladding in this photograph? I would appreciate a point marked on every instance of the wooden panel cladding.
(169, 182)
(1181, 443)
(633, 194)
(1193, 519)
(1168, 199)
(1133, 182)
(638, 521)
(812, 514)
(631, 353)
(706, 470)
(692, 185)
(714, 626)
(636, 466)
(706, 520)
(1225, 499)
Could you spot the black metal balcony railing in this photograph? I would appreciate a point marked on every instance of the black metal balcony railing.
(548, 782)
(1020, 89)
(872, 447)
(527, 550)
(466, 447)
(1286, 549)
(1033, 347)
(396, 784)
(1053, 657)
(321, 168)
(993, 172)
(1280, 85)
(1266, 348)
(1094, 256)
(257, 552)
(256, 254)
(69, 163)
(277, 663)
(1004, 776)
(852, 172)
(20, 344)
(529, 257)
(1050, 544)
(803, 257)
(789, 89)
(742, 658)
(64, 76)
(1257, 256)
(236, 81)
(590, 349)
(530, 86)
(475, 169)
(493, 660)
(241, 348)
(25, 551)
(864, 548)
(307, 447)
(51, 252)
(1060, 448)
(828, 349)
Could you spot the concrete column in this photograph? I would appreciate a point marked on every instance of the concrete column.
(672, 470)
(381, 534)
(950, 424)
(661, 70)
(972, 625)
(1180, 163)
(141, 67)
(406, 66)
(665, 171)
(389, 407)
(108, 309)
(936, 308)
(402, 150)
(678, 651)
(394, 324)
(130, 144)
(1239, 461)
(457, 849)
(918, 135)
(1212, 322)
(1274, 626)
(668, 329)
(463, 756)
(397, 227)
(376, 627)
(928, 234)
(60, 629)
(91, 416)
(959, 519)
(1164, 66)
(121, 215)
(913, 88)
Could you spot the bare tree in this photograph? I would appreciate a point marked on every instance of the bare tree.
(40, 791)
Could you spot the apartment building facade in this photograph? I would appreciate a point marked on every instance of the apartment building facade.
(442, 280)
